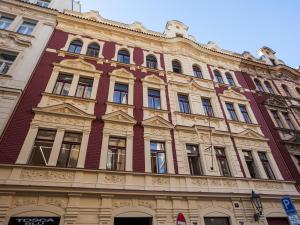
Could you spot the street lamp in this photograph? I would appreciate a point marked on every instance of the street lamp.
(256, 200)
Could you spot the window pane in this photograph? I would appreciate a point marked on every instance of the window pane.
(245, 113)
(208, 110)
(153, 98)
(75, 47)
(63, 84)
(151, 62)
(230, 79)
(84, 87)
(176, 66)
(93, 50)
(116, 154)
(26, 28)
(231, 111)
(218, 76)
(250, 164)
(184, 104)
(121, 93)
(158, 157)
(123, 56)
(266, 165)
(6, 60)
(194, 159)
(222, 162)
(5, 22)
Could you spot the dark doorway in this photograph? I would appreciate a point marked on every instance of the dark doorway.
(133, 221)
(278, 221)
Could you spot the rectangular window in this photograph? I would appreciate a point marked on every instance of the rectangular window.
(63, 84)
(43, 3)
(121, 93)
(288, 120)
(250, 164)
(216, 221)
(194, 159)
(158, 157)
(267, 167)
(154, 99)
(69, 151)
(42, 147)
(245, 113)
(84, 87)
(184, 105)
(26, 28)
(6, 61)
(277, 118)
(222, 162)
(231, 111)
(208, 110)
(5, 22)
(116, 154)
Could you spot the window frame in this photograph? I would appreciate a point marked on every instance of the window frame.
(269, 87)
(184, 104)
(63, 84)
(208, 109)
(151, 61)
(197, 71)
(245, 113)
(286, 91)
(120, 91)
(152, 98)
(230, 80)
(10, 18)
(258, 85)
(266, 165)
(5, 65)
(250, 163)
(276, 117)
(288, 120)
(176, 66)
(154, 157)
(122, 57)
(93, 49)
(231, 111)
(218, 76)
(76, 46)
(120, 151)
(30, 29)
(222, 158)
(86, 87)
(194, 160)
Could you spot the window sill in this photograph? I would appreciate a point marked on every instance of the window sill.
(243, 123)
(120, 104)
(190, 76)
(69, 97)
(198, 116)
(22, 38)
(5, 76)
(156, 110)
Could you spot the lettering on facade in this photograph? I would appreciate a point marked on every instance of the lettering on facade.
(34, 221)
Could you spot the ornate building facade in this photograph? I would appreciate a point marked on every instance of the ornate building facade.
(119, 124)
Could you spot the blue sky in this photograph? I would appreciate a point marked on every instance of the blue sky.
(235, 25)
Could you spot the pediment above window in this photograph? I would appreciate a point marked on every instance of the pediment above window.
(294, 140)
(64, 110)
(119, 117)
(194, 84)
(77, 64)
(157, 121)
(232, 94)
(153, 79)
(250, 134)
(122, 73)
(276, 102)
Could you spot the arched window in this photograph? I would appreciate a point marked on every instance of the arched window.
(124, 56)
(230, 79)
(151, 61)
(218, 76)
(93, 50)
(286, 90)
(298, 90)
(269, 87)
(197, 71)
(176, 66)
(75, 46)
(259, 86)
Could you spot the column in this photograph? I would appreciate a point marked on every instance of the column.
(74, 83)
(95, 86)
(147, 156)
(83, 149)
(259, 165)
(27, 146)
(52, 80)
(130, 92)
(169, 154)
(111, 89)
(104, 149)
(84, 46)
(16, 23)
(145, 94)
(56, 147)
(163, 97)
(129, 155)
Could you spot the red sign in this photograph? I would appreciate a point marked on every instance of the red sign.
(180, 219)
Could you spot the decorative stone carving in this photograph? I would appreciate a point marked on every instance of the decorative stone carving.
(113, 178)
(229, 183)
(20, 201)
(160, 181)
(59, 202)
(117, 203)
(146, 203)
(200, 182)
(47, 175)
(268, 185)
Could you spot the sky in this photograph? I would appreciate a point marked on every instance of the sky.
(235, 25)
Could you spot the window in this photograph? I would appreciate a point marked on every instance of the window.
(266, 165)
(176, 66)
(43, 3)
(151, 62)
(158, 157)
(153, 98)
(208, 110)
(259, 87)
(245, 113)
(6, 60)
(123, 56)
(222, 162)
(63, 84)
(5, 22)
(250, 164)
(218, 77)
(184, 105)
(288, 120)
(197, 71)
(75, 46)
(84, 87)
(216, 221)
(116, 154)
(26, 28)
(269, 87)
(121, 93)
(69, 151)
(231, 111)
(286, 90)
(93, 50)
(194, 159)
(277, 118)
(230, 79)
(42, 147)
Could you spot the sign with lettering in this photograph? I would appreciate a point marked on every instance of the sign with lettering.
(34, 221)
(180, 219)
(288, 206)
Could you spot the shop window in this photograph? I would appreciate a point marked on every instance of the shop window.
(269, 87)
(266, 165)
(151, 62)
(42, 147)
(5, 21)
(154, 99)
(84, 87)
(288, 120)
(197, 71)
(277, 118)
(26, 27)
(123, 56)
(121, 93)
(158, 157)
(116, 154)
(245, 113)
(184, 105)
(250, 164)
(216, 221)
(93, 50)
(194, 159)
(218, 76)
(69, 151)
(6, 61)
(259, 86)
(222, 162)
(231, 111)
(75, 47)
(208, 110)
(176, 66)
(63, 84)
(230, 79)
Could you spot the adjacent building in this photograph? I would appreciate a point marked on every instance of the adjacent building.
(120, 124)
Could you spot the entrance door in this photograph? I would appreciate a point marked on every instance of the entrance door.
(278, 221)
(133, 221)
